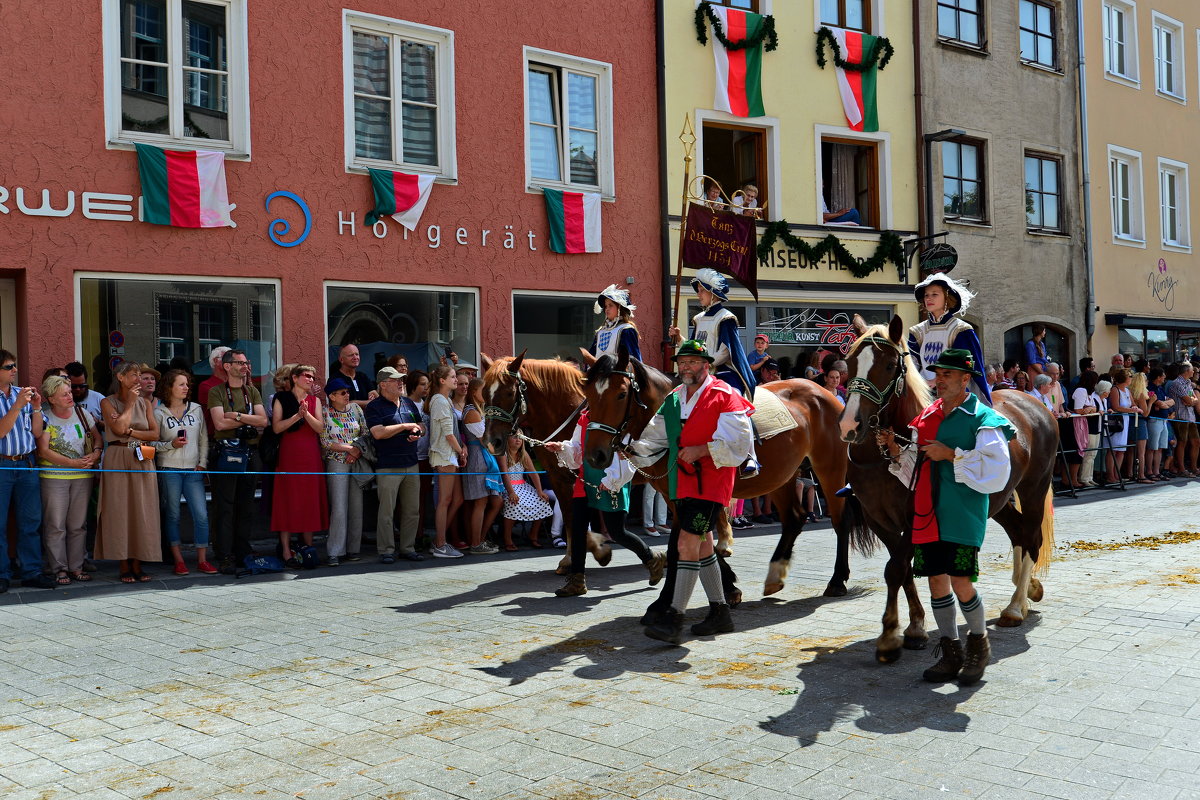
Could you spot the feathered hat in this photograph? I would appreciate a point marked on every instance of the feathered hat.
(961, 294)
(713, 281)
(618, 296)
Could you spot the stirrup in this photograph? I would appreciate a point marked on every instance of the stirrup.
(845, 491)
(749, 469)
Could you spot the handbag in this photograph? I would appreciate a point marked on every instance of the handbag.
(231, 457)
(1114, 424)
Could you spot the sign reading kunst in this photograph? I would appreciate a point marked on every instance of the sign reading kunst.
(723, 241)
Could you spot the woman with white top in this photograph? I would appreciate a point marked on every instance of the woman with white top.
(182, 453)
(1121, 402)
(1085, 402)
(446, 455)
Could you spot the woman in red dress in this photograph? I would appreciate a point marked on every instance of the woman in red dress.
(300, 504)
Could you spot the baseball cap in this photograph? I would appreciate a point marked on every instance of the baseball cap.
(388, 374)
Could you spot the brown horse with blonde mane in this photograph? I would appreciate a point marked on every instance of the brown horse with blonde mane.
(623, 395)
(886, 392)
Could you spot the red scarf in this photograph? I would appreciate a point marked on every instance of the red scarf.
(924, 523)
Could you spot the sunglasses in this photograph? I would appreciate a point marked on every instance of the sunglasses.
(8, 367)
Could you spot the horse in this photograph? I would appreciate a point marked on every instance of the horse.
(536, 394)
(623, 394)
(886, 392)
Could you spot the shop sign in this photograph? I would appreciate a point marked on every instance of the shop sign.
(813, 328)
(940, 257)
(1162, 286)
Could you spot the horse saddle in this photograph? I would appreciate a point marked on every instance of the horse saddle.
(771, 416)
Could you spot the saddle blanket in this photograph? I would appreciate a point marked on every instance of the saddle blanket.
(771, 416)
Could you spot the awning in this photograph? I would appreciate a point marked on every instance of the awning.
(1157, 323)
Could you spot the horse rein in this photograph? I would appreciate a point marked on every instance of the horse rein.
(881, 397)
(519, 408)
(634, 396)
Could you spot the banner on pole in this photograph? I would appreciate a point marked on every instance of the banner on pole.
(723, 241)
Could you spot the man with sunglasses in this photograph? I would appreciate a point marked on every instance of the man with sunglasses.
(704, 427)
(84, 396)
(238, 418)
(20, 490)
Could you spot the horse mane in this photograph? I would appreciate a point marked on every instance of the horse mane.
(546, 375)
(917, 396)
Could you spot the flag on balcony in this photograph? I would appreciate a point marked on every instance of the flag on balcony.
(183, 189)
(739, 72)
(724, 241)
(574, 221)
(400, 196)
(857, 88)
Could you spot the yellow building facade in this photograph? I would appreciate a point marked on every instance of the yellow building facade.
(805, 160)
(1142, 129)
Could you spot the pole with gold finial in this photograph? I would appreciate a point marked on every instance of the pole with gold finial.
(688, 137)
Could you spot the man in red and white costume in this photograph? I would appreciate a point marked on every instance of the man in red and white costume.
(704, 426)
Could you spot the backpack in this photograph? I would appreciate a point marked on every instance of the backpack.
(259, 565)
(308, 556)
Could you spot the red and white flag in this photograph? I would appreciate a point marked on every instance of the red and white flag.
(400, 196)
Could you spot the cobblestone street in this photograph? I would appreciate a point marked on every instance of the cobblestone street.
(469, 679)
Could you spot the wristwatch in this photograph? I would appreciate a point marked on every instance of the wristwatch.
(239, 416)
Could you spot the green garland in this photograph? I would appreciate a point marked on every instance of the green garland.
(767, 34)
(889, 249)
(882, 53)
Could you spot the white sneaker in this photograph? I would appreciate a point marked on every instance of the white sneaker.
(649, 532)
(484, 549)
(446, 551)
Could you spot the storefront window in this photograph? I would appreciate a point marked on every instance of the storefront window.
(553, 325)
(174, 323)
(1132, 340)
(419, 323)
(1158, 345)
(798, 333)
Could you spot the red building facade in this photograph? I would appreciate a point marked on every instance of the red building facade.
(498, 101)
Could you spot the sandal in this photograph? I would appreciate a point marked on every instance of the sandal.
(80, 576)
(62, 579)
(126, 576)
(140, 576)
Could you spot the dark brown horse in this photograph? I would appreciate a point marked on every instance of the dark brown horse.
(542, 397)
(623, 394)
(886, 392)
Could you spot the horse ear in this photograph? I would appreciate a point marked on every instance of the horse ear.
(896, 329)
(588, 358)
(860, 324)
(515, 364)
(485, 361)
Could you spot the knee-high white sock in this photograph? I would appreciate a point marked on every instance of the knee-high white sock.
(974, 612)
(710, 579)
(685, 583)
(946, 615)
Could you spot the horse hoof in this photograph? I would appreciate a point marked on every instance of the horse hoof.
(916, 642)
(723, 552)
(771, 588)
(735, 598)
(835, 590)
(1008, 620)
(888, 656)
(1036, 592)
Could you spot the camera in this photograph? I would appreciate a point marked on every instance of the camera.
(246, 433)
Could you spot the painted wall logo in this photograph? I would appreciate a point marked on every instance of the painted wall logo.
(1162, 286)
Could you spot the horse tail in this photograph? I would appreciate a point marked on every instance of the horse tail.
(1046, 549)
(853, 522)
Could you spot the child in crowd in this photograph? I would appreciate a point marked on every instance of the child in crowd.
(524, 499)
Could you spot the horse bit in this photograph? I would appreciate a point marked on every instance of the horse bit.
(519, 407)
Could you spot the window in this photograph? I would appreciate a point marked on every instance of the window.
(1038, 34)
(162, 320)
(1125, 181)
(176, 73)
(1168, 57)
(850, 179)
(568, 117)
(963, 186)
(744, 5)
(419, 322)
(1120, 40)
(1173, 203)
(1043, 192)
(961, 21)
(549, 325)
(735, 155)
(399, 104)
(853, 15)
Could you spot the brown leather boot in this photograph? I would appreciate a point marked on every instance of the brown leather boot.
(655, 566)
(979, 652)
(950, 663)
(575, 586)
(717, 621)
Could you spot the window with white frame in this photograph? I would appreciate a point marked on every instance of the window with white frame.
(1168, 57)
(1120, 39)
(175, 73)
(568, 115)
(1173, 203)
(1125, 188)
(399, 83)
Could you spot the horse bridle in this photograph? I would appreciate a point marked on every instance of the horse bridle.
(519, 408)
(881, 397)
(635, 391)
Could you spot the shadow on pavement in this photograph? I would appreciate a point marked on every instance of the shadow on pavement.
(617, 646)
(846, 684)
